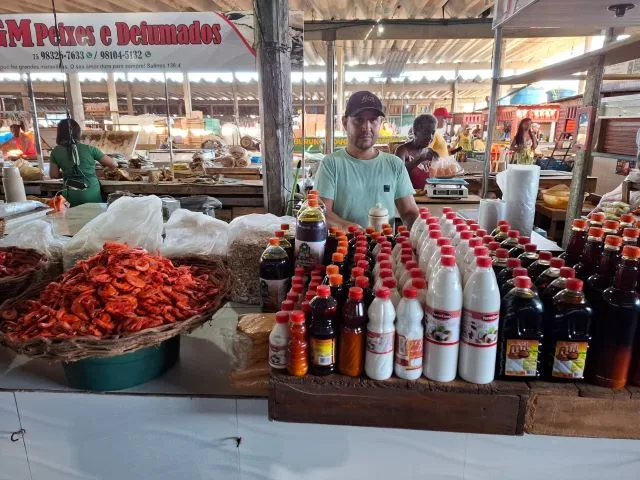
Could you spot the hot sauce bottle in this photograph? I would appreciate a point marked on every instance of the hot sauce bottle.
(591, 255)
(577, 241)
(322, 338)
(298, 348)
(353, 335)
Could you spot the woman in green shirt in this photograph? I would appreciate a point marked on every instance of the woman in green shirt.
(62, 164)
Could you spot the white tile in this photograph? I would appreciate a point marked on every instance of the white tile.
(532, 457)
(283, 451)
(83, 436)
(13, 458)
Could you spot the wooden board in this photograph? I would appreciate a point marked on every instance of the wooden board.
(458, 406)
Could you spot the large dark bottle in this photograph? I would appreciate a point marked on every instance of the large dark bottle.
(365, 285)
(353, 335)
(510, 283)
(287, 246)
(275, 275)
(519, 249)
(311, 236)
(610, 227)
(591, 254)
(539, 266)
(553, 289)
(507, 273)
(502, 234)
(630, 236)
(597, 219)
(621, 305)
(520, 338)
(330, 246)
(322, 338)
(597, 283)
(511, 241)
(567, 342)
(339, 293)
(577, 241)
(498, 229)
(549, 275)
(529, 256)
(499, 262)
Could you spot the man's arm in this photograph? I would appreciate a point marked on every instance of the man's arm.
(412, 162)
(332, 218)
(407, 209)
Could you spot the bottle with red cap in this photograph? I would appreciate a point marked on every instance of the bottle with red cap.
(298, 348)
(612, 351)
(443, 217)
(382, 276)
(364, 283)
(472, 263)
(630, 236)
(502, 235)
(331, 270)
(610, 227)
(497, 230)
(448, 228)
(602, 279)
(479, 330)
(507, 272)
(353, 335)
(500, 260)
(549, 275)
(311, 235)
(553, 289)
(577, 242)
(286, 245)
(382, 265)
(481, 234)
(355, 273)
(435, 257)
(591, 255)
(521, 333)
(330, 246)
(434, 265)
(626, 221)
(279, 342)
(493, 248)
(519, 249)
(409, 336)
(418, 227)
(463, 246)
(429, 249)
(510, 284)
(511, 241)
(530, 255)
(275, 276)
(465, 263)
(413, 274)
(540, 265)
(432, 226)
(597, 220)
(288, 234)
(406, 273)
(339, 293)
(399, 231)
(420, 284)
(378, 362)
(442, 322)
(401, 242)
(392, 285)
(459, 230)
(322, 337)
(568, 334)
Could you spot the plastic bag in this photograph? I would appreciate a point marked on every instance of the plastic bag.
(445, 167)
(201, 203)
(134, 221)
(13, 208)
(191, 233)
(27, 171)
(38, 235)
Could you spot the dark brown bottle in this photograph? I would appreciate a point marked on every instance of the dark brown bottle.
(577, 241)
(503, 233)
(337, 259)
(365, 285)
(330, 246)
(597, 219)
(340, 294)
(591, 254)
(626, 221)
(507, 273)
(322, 338)
(500, 260)
(568, 336)
(493, 248)
(511, 241)
(539, 266)
(519, 249)
(520, 338)
(610, 227)
(549, 275)
(529, 256)
(510, 283)
(553, 289)
(621, 305)
(630, 236)
(597, 283)
(353, 335)
(497, 230)
(275, 276)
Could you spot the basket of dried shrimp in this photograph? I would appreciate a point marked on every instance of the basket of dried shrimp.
(116, 302)
(21, 268)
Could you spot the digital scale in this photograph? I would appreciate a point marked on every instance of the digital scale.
(446, 188)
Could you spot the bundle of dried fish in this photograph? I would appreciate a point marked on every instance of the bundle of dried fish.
(240, 156)
(140, 162)
(216, 144)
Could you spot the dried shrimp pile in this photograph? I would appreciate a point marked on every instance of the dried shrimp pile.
(119, 290)
(17, 261)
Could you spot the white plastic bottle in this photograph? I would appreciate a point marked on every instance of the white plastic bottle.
(413, 274)
(392, 285)
(417, 228)
(463, 247)
(442, 242)
(384, 274)
(436, 259)
(459, 229)
(378, 360)
(383, 261)
(479, 333)
(442, 332)
(409, 336)
(432, 224)
(279, 342)
(472, 264)
(406, 274)
(448, 229)
(443, 218)
(420, 284)
(401, 266)
(428, 249)
(397, 249)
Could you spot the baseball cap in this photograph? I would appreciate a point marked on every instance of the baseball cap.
(361, 101)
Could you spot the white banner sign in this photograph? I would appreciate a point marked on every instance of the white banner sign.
(127, 41)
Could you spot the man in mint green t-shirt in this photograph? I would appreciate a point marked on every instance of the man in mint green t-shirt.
(354, 179)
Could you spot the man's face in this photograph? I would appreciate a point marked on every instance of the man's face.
(362, 130)
(424, 133)
(15, 130)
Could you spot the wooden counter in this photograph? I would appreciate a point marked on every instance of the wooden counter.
(504, 408)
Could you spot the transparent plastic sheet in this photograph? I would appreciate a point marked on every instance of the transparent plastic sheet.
(13, 208)
(191, 233)
(38, 235)
(201, 203)
(134, 221)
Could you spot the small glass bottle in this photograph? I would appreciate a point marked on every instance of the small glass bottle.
(322, 338)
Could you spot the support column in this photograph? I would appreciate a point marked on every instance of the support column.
(25, 97)
(130, 110)
(113, 97)
(588, 42)
(503, 89)
(584, 158)
(340, 87)
(36, 126)
(236, 104)
(77, 106)
(454, 92)
(328, 96)
(496, 64)
(273, 52)
(186, 93)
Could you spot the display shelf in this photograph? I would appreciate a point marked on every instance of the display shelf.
(502, 407)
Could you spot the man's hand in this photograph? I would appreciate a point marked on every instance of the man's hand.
(425, 156)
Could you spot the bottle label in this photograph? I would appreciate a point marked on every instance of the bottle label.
(409, 352)
(323, 351)
(309, 254)
(273, 292)
(569, 359)
(380, 343)
(521, 358)
(480, 329)
(278, 356)
(442, 327)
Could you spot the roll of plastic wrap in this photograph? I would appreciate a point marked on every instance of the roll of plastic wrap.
(519, 185)
(490, 213)
(13, 185)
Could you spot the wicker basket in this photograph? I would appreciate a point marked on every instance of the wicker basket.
(78, 348)
(10, 287)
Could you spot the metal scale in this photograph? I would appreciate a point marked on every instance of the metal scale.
(446, 188)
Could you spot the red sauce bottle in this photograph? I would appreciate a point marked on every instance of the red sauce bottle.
(510, 283)
(549, 275)
(507, 272)
(568, 339)
(298, 347)
(511, 241)
(353, 335)
(622, 309)
(322, 338)
(519, 249)
(500, 260)
(630, 236)
(539, 266)
(529, 256)
(591, 255)
(577, 242)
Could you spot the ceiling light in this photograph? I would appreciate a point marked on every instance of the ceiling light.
(619, 9)
(380, 29)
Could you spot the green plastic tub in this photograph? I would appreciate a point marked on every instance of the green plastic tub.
(123, 371)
